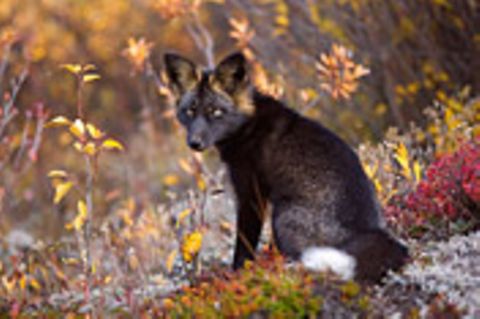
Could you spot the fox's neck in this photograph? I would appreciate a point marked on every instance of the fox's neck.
(248, 140)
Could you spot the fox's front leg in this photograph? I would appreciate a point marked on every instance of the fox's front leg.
(250, 213)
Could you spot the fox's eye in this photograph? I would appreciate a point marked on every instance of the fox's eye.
(217, 113)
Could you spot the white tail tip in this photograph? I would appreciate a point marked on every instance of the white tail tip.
(327, 258)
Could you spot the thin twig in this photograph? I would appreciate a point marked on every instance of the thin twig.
(202, 38)
(4, 64)
(8, 113)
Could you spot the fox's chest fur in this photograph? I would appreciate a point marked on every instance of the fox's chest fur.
(325, 211)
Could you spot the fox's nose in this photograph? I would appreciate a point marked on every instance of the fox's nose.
(196, 143)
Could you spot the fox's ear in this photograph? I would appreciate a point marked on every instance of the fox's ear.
(232, 73)
(182, 73)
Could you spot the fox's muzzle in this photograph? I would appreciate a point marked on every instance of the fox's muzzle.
(196, 143)
(198, 134)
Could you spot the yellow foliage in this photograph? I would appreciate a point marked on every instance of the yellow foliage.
(90, 149)
(171, 260)
(402, 157)
(78, 129)
(171, 180)
(72, 68)
(94, 132)
(417, 170)
(90, 78)
(168, 303)
(191, 245)
(61, 190)
(81, 217)
(57, 174)
(111, 144)
(9, 284)
(183, 214)
(22, 282)
(35, 284)
(201, 184)
(186, 167)
(58, 121)
(133, 262)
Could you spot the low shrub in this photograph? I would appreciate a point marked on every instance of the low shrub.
(446, 200)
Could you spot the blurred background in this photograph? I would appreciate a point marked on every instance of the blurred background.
(416, 51)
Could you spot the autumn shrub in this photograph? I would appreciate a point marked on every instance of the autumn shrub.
(426, 177)
(446, 200)
(266, 288)
(21, 132)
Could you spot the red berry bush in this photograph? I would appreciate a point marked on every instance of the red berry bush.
(446, 201)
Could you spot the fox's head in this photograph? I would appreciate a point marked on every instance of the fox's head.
(211, 104)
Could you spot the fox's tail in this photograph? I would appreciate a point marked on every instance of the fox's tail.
(365, 257)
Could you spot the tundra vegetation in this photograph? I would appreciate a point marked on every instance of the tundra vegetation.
(104, 212)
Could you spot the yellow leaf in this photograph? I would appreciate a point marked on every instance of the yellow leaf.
(81, 217)
(450, 119)
(378, 186)
(90, 77)
(35, 284)
(191, 245)
(126, 218)
(170, 180)
(78, 146)
(72, 68)
(89, 67)
(9, 284)
(201, 184)
(186, 166)
(401, 155)
(370, 170)
(107, 279)
(282, 21)
(61, 190)
(90, 149)
(168, 303)
(78, 129)
(417, 170)
(111, 144)
(23, 282)
(58, 121)
(360, 71)
(226, 226)
(82, 208)
(133, 262)
(94, 132)
(57, 174)
(183, 214)
(171, 260)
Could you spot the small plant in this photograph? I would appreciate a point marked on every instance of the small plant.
(89, 142)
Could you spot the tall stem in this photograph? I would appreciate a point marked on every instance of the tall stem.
(80, 112)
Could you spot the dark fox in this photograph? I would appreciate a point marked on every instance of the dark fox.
(324, 209)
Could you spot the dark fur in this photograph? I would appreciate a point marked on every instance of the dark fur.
(319, 192)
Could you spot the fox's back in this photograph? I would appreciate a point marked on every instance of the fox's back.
(298, 160)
